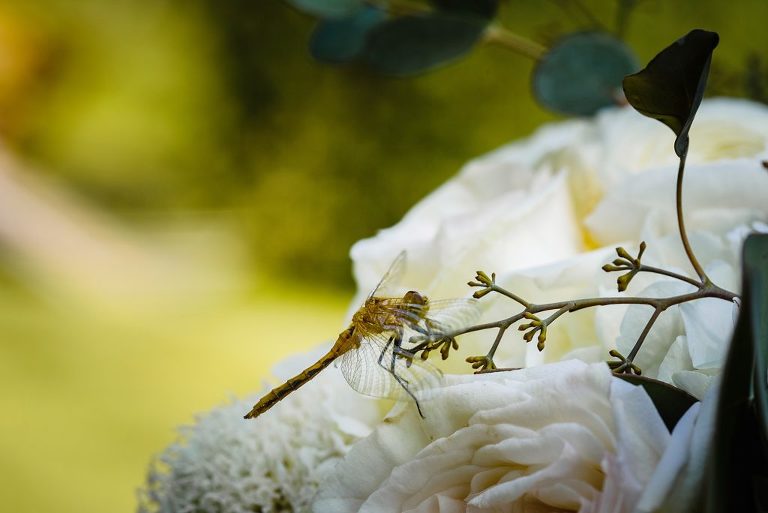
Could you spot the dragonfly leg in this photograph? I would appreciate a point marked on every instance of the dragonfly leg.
(404, 383)
(384, 351)
(395, 341)
(398, 351)
(395, 352)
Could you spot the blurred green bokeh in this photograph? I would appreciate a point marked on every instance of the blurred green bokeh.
(156, 108)
(181, 185)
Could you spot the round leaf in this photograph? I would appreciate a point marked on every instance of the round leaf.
(343, 39)
(415, 44)
(582, 73)
(328, 8)
(671, 87)
(485, 8)
(671, 402)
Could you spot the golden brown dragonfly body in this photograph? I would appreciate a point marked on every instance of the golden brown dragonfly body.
(370, 350)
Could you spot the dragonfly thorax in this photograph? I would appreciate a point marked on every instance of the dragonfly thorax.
(382, 314)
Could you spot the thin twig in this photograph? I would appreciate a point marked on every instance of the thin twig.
(708, 290)
(496, 342)
(495, 34)
(623, 10)
(514, 297)
(565, 308)
(656, 270)
(644, 334)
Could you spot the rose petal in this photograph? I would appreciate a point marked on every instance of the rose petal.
(709, 324)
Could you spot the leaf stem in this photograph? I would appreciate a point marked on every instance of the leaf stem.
(623, 10)
(498, 35)
(681, 223)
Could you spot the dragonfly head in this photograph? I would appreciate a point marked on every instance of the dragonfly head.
(414, 298)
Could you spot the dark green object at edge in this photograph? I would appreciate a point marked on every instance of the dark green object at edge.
(670, 401)
(737, 467)
(671, 87)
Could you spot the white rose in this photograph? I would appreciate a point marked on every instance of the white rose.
(559, 437)
(547, 212)
(483, 218)
(627, 143)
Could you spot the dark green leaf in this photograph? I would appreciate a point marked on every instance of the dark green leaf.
(414, 44)
(671, 87)
(485, 8)
(582, 73)
(756, 273)
(328, 8)
(737, 465)
(343, 39)
(671, 402)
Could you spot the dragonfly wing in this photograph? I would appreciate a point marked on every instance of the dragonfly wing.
(449, 315)
(375, 369)
(388, 285)
(437, 318)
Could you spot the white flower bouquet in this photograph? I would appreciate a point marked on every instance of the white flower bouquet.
(668, 423)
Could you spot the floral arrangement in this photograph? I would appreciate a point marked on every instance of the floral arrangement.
(645, 389)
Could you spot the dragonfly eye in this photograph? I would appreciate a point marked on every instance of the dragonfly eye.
(414, 298)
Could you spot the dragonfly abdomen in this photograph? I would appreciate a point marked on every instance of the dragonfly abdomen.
(279, 393)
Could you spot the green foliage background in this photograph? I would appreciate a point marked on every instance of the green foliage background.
(153, 108)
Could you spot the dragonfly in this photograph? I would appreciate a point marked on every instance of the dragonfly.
(371, 352)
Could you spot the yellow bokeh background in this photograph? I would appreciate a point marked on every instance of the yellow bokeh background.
(179, 188)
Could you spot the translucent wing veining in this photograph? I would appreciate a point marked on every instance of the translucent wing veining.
(373, 369)
(388, 285)
(437, 318)
(449, 315)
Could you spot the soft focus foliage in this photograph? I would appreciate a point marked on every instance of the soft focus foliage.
(154, 110)
(578, 76)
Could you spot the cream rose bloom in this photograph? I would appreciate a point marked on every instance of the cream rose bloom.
(559, 437)
(546, 213)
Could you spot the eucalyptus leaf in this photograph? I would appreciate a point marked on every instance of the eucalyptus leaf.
(582, 73)
(343, 39)
(328, 8)
(485, 8)
(737, 466)
(671, 87)
(414, 44)
(670, 401)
